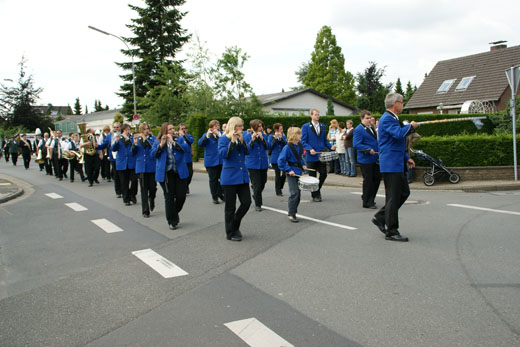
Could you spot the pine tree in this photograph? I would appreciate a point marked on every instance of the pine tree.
(77, 107)
(158, 38)
(409, 92)
(372, 92)
(326, 70)
(86, 109)
(399, 87)
(97, 106)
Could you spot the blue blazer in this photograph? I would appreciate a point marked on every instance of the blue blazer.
(234, 170)
(106, 144)
(211, 156)
(276, 147)
(161, 155)
(311, 141)
(188, 158)
(286, 160)
(363, 142)
(257, 157)
(125, 159)
(392, 143)
(145, 161)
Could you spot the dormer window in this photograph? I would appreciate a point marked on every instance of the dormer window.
(464, 83)
(445, 86)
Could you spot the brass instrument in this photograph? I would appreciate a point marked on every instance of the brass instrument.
(49, 149)
(69, 155)
(90, 149)
(39, 156)
(115, 136)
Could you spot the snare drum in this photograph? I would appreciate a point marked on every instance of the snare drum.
(308, 183)
(328, 156)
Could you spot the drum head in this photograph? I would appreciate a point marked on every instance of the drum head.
(309, 180)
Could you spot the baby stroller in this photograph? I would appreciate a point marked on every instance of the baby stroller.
(437, 169)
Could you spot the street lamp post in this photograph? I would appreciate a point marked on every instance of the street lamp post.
(132, 56)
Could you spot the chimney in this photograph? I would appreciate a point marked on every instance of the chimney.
(497, 45)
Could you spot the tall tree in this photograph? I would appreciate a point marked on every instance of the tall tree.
(409, 92)
(97, 106)
(326, 70)
(77, 107)
(16, 102)
(330, 108)
(301, 74)
(371, 91)
(399, 87)
(158, 38)
(86, 109)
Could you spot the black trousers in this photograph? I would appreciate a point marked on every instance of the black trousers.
(279, 179)
(258, 179)
(320, 168)
(14, 158)
(74, 165)
(48, 166)
(64, 166)
(174, 189)
(190, 175)
(371, 182)
(26, 159)
(232, 216)
(56, 164)
(214, 181)
(148, 190)
(91, 164)
(7, 155)
(105, 168)
(117, 180)
(128, 181)
(397, 191)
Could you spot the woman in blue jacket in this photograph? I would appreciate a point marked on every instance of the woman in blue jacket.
(256, 161)
(171, 171)
(212, 160)
(145, 168)
(234, 178)
(125, 165)
(276, 142)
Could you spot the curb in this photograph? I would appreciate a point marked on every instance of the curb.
(12, 196)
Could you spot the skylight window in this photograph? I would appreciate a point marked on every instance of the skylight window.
(464, 83)
(445, 86)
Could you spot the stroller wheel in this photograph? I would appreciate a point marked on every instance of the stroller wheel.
(454, 178)
(428, 179)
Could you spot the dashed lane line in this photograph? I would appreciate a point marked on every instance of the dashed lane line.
(54, 196)
(256, 334)
(76, 207)
(106, 225)
(157, 262)
(485, 209)
(310, 218)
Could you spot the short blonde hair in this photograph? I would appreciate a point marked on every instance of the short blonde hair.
(292, 133)
(232, 123)
(334, 123)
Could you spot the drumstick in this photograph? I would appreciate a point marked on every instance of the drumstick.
(311, 169)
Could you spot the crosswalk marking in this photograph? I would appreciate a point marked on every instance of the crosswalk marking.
(485, 209)
(54, 196)
(310, 218)
(163, 266)
(106, 225)
(256, 334)
(76, 207)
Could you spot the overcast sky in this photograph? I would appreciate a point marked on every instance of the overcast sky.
(407, 37)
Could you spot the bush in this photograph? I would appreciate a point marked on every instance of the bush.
(469, 150)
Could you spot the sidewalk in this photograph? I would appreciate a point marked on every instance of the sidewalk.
(8, 189)
(356, 182)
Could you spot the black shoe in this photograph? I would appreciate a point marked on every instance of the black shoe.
(215, 201)
(90, 184)
(396, 237)
(60, 179)
(83, 179)
(279, 194)
(236, 236)
(134, 200)
(152, 205)
(97, 182)
(373, 207)
(172, 226)
(187, 191)
(128, 203)
(146, 215)
(109, 180)
(293, 219)
(117, 195)
(258, 208)
(316, 199)
(71, 181)
(380, 225)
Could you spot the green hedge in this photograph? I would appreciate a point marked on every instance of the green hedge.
(469, 150)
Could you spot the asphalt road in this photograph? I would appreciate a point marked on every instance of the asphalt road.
(64, 281)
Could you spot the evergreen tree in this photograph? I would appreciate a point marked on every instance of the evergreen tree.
(330, 108)
(97, 106)
(16, 103)
(409, 92)
(77, 107)
(399, 87)
(326, 70)
(158, 38)
(301, 74)
(86, 109)
(372, 92)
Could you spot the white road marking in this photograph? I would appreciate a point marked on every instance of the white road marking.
(360, 193)
(106, 225)
(76, 207)
(310, 218)
(485, 209)
(5, 184)
(54, 196)
(256, 334)
(163, 266)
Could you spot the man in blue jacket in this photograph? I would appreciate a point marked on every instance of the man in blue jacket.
(314, 140)
(107, 143)
(392, 160)
(365, 142)
(145, 168)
